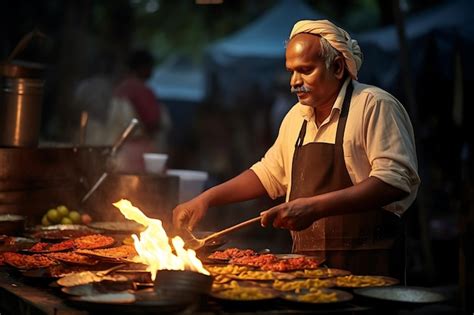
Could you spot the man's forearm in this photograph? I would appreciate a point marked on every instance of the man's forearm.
(370, 194)
(243, 187)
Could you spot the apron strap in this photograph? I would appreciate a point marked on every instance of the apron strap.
(341, 126)
(300, 140)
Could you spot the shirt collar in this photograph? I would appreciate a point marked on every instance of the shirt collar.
(308, 112)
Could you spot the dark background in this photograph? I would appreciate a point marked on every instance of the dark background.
(434, 82)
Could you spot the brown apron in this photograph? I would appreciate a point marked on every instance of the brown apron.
(370, 242)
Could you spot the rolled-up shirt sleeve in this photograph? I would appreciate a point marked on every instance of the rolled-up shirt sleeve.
(271, 168)
(391, 151)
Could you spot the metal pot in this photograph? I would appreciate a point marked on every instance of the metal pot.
(184, 281)
(21, 95)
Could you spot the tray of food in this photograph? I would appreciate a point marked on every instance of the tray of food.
(60, 232)
(231, 253)
(261, 275)
(26, 262)
(320, 273)
(361, 281)
(298, 286)
(317, 296)
(73, 258)
(119, 254)
(117, 226)
(239, 293)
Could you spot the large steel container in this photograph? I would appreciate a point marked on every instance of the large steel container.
(21, 95)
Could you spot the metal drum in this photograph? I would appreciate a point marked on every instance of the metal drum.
(20, 108)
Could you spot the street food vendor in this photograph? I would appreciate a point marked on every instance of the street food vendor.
(344, 157)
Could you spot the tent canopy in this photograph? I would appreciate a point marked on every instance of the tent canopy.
(265, 37)
(242, 67)
(178, 79)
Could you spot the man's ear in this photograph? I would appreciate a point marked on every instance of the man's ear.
(339, 67)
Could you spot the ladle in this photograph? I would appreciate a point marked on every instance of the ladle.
(125, 134)
(196, 243)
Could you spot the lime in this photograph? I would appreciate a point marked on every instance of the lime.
(75, 217)
(63, 210)
(66, 220)
(53, 216)
(45, 221)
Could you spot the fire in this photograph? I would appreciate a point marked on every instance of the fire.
(153, 245)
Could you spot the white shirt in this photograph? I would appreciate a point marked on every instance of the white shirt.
(378, 141)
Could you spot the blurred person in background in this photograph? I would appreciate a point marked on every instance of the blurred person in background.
(93, 95)
(344, 158)
(132, 97)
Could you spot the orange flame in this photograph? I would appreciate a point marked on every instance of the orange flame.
(153, 244)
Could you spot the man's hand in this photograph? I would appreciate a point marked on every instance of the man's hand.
(295, 215)
(188, 214)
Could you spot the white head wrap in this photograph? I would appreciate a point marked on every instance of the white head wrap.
(338, 38)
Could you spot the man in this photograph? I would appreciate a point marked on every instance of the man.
(344, 156)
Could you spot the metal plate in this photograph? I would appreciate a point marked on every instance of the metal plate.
(245, 294)
(360, 281)
(320, 273)
(321, 296)
(144, 301)
(417, 295)
(117, 226)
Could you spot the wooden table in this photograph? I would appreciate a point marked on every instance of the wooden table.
(17, 297)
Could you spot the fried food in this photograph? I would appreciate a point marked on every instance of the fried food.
(316, 296)
(245, 293)
(93, 241)
(26, 262)
(120, 253)
(86, 277)
(231, 253)
(290, 264)
(255, 260)
(354, 281)
(42, 247)
(298, 285)
(320, 273)
(227, 270)
(73, 258)
(261, 275)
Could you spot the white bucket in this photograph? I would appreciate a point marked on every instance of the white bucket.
(191, 183)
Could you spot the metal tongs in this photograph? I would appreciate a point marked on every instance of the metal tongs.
(118, 143)
(196, 243)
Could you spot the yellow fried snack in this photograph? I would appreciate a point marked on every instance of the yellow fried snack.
(317, 296)
(224, 286)
(298, 285)
(261, 275)
(227, 270)
(244, 294)
(221, 279)
(353, 281)
(320, 273)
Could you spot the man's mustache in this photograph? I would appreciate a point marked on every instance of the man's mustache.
(300, 89)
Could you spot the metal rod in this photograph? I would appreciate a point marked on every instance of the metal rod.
(94, 188)
(127, 132)
(83, 128)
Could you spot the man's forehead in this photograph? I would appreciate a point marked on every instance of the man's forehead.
(304, 42)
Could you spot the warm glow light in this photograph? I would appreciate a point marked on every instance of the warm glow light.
(153, 246)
